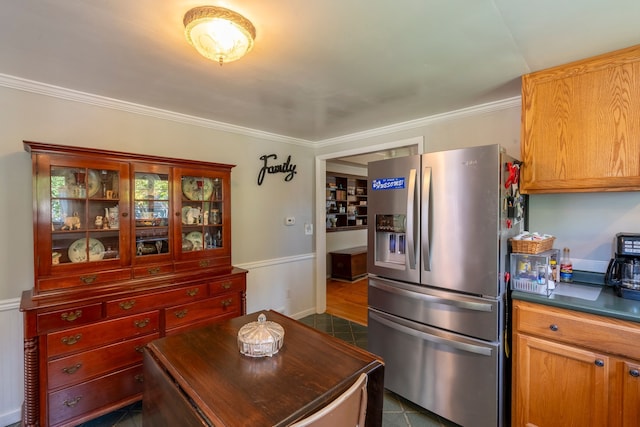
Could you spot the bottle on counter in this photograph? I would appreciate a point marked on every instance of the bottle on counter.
(553, 265)
(566, 267)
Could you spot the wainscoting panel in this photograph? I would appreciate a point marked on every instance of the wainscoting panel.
(11, 361)
(285, 285)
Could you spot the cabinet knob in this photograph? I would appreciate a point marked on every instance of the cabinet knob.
(142, 323)
(181, 314)
(71, 316)
(634, 373)
(72, 369)
(599, 363)
(127, 305)
(87, 280)
(71, 340)
(70, 403)
(553, 327)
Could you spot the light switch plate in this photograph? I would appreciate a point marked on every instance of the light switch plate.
(308, 229)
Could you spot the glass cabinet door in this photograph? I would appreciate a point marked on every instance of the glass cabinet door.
(85, 219)
(151, 212)
(202, 213)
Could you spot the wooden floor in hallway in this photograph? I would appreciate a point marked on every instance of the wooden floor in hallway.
(348, 300)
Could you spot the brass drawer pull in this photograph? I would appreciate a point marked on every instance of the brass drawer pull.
(226, 285)
(181, 314)
(153, 270)
(142, 323)
(204, 263)
(70, 403)
(87, 280)
(72, 369)
(127, 305)
(71, 316)
(227, 302)
(71, 340)
(193, 292)
(139, 378)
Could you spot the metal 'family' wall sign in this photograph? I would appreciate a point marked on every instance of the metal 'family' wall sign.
(286, 168)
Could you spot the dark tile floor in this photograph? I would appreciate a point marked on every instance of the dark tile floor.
(397, 412)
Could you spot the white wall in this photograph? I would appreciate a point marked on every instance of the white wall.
(11, 362)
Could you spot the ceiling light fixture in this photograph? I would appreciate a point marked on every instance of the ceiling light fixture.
(219, 34)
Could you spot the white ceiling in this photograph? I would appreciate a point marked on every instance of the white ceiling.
(319, 69)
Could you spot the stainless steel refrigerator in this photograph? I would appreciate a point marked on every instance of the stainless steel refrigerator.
(439, 225)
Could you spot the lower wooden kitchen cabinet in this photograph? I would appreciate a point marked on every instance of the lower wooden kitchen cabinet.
(574, 369)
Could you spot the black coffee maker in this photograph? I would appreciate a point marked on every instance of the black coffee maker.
(627, 253)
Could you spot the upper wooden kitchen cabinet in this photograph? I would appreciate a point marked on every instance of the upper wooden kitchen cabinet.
(581, 125)
(573, 369)
(127, 248)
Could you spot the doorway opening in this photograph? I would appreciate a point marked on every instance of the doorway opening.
(361, 156)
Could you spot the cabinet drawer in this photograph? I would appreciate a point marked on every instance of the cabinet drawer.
(86, 337)
(69, 317)
(86, 279)
(139, 303)
(234, 283)
(152, 270)
(203, 263)
(79, 367)
(72, 402)
(587, 330)
(202, 310)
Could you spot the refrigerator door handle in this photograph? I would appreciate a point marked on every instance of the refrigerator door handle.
(411, 220)
(469, 348)
(467, 305)
(426, 199)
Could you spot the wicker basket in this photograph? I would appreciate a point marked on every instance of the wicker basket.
(531, 246)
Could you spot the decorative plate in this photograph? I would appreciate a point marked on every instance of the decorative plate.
(192, 213)
(197, 188)
(195, 237)
(93, 183)
(78, 250)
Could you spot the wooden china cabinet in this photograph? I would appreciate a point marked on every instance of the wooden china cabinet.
(127, 248)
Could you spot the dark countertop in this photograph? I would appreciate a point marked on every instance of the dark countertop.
(608, 303)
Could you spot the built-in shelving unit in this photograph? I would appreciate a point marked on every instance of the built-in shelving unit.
(346, 202)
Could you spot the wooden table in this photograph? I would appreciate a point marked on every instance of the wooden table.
(349, 264)
(199, 378)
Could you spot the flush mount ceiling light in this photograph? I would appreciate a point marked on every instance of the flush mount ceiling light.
(219, 34)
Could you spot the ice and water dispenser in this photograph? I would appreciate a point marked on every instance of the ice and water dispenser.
(390, 238)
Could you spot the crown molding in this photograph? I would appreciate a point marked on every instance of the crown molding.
(425, 121)
(18, 83)
(25, 85)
